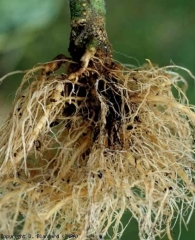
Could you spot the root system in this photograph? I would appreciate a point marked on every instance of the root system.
(82, 147)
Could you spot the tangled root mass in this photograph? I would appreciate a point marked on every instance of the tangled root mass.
(77, 152)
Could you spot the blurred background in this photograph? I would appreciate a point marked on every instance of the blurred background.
(36, 31)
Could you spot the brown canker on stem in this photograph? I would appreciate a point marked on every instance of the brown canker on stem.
(88, 30)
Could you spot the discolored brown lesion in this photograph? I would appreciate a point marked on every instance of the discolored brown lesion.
(55, 64)
(88, 30)
(86, 33)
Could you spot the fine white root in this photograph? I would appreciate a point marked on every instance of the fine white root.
(80, 149)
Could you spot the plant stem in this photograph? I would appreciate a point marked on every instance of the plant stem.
(88, 29)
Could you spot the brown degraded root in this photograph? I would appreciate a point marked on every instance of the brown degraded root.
(79, 149)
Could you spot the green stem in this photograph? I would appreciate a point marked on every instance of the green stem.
(82, 8)
(88, 28)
